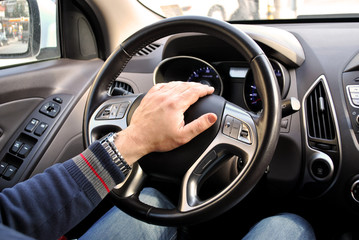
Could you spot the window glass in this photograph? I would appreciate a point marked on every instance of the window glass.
(236, 10)
(28, 31)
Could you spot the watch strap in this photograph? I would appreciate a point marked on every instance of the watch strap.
(109, 144)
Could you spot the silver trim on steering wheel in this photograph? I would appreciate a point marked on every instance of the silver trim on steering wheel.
(247, 143)
(114, 120)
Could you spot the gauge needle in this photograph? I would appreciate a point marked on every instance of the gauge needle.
(256, 100)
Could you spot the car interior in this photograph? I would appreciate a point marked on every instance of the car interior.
(286, 93)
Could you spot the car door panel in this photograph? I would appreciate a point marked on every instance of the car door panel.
(13, 114)
(31, 93)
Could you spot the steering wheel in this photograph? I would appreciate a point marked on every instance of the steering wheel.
(237, 132)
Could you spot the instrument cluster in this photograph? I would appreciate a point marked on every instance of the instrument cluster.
(220, 75)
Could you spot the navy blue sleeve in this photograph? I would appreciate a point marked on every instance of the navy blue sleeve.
(51, 203)
(8, 233)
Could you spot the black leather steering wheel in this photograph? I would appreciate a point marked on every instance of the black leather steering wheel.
(236, 132)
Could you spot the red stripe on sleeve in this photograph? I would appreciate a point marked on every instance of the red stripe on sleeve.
(94, 171)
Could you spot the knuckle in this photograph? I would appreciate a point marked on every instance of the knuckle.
(171, 102)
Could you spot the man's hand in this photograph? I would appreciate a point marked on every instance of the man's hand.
(158, 124)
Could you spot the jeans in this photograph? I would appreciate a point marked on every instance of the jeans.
(116, 224)
(281, 226)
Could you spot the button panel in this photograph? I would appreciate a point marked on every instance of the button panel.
(22, 146)
(353, 107)
(22, 151)
(113, 111)
(237, 129)
(353, 92)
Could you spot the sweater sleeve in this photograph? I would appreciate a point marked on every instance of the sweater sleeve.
(51, 203)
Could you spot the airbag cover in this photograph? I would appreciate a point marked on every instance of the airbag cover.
(175, 163)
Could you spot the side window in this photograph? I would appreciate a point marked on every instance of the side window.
(28, 31)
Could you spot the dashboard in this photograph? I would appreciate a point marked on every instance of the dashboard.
(311, 161)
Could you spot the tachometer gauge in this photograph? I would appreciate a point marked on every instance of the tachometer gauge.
(208, 76)
(252, 97)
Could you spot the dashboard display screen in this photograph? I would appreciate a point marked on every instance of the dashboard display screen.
(238, 72)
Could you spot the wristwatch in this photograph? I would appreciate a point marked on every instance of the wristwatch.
(108, 142)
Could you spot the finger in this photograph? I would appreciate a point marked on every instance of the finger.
(177, 88)
(191, 95)
(198, 126)
(200, 89)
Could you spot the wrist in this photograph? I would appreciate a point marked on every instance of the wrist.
(109, 144)
(131, 149)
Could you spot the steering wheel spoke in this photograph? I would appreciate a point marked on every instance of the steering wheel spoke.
(111, 115)
(237, 137)
(133, 184)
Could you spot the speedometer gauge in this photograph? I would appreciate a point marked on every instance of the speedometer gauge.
(208, 76)
(190, 69)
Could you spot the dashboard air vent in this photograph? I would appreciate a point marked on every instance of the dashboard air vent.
(320, 120)
(147, 50)
(120, 88)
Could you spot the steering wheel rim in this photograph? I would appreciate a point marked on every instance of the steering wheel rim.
(265, 128)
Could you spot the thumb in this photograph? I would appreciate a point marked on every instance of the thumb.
(198, 126)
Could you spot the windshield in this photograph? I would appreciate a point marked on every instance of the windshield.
(235, 10)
